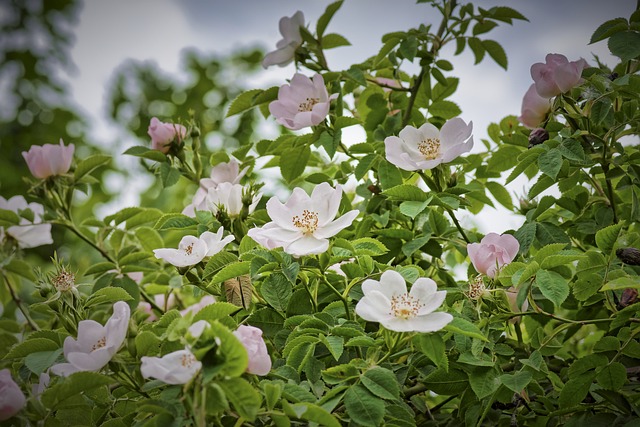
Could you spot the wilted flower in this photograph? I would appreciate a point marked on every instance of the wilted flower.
(28, 234)
(222, 172)
(178, 367)
(493, 252)
(251, 339)
(291, 40)
(427, 147)
(163, 134)
(49, 159)
(534, 108)
(388, 303)
(557, 75)
(12, 399)
(228, 197)
(302, 103)
(191, 249)
(303, 225)
(96, 344)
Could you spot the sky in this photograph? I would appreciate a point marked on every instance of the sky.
(109, 32)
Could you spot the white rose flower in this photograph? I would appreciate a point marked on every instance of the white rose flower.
(191, 249)
(28, 234)
(291, 40)
(228, 196)
(178, 367)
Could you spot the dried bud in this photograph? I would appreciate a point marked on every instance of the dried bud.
(613, 76)
(629, 296)
(630, 256)
(374, 189)
(538, 136)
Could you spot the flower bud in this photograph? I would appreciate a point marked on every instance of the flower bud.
(630, 256)
(629, 296)
(537, 137)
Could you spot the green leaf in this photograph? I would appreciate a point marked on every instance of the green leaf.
(504, 158)
(625, 45)
(277, 291)
(612, 377)
(516, 382)
(548, 233)
(572, 150)
(73, 386)
(500, 194)
(406, 192)
(381, 382)
(149, 238)
(365, 165)
(267, 319)
(525, 160)
(369, 246)
(34, 345)
(586, 285)
(432, 346)
(363, 407)
(444, 109)
(243, 102)
(293, 162)
(462, 326)
(600, 110)
(575, 390)
(168, 175)
(548, 250)
(553, 286)
(108, 294)
(174, 221)
(496, 52)
(41, 361)
(333, 40)
(217, 262)
(20, 268)
(606, 238)
(324, 20)
(484, 382)
(550, 162)
(622, 283)
(90, 164)
(309, 412)
(447, 383)
(232, 270)
(244, 398)
(335, 345)
(477, 48)
(609, 28)
(409, 47)
(562, 258)
(8, 218)
(525, 236)
(216, 311)
(147, 153)
(389, 174)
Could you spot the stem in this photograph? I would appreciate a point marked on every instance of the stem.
(71, 226)
(19, 304)
(435, 185)
(344, 299)
(455, 221)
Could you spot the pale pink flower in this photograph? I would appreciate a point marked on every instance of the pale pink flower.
(291, 40)
(428, 147)
(303, 225)
(41, 386)
(178, 367)
(12, 399)
(228, 197)
(388, 303)
(493, 252)
(222, 172)
(302, 103)
(160, 300)
(195, 308)
(191, 249)
(49, 160)
(534, 108)
(27, 234)
(96, 344)
(251, 339)
(163, 134)
(557, 75)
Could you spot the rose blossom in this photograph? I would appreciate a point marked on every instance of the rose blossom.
(49, 160)
(291, 40)
(178, 367)
(163, 134)
(195, 308)
(302, 103)
(96, 344)
(228, 197)
(493, 252)
(12, 399)
(303, 225)
(222, 172)
(427, 147)
(534, 108)
(557, 75)
(251, 339)
(191, 249)
(388, 303)
(28, 234)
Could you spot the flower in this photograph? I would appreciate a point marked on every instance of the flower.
(191, 249)
(389, 303)
(178, 367)
(28, 234)
(41, 386)
(49, 160)
(197, 328)
(222, 172)
(163, 134)
(493, 252)
(304, 223)
(557, 75)
(534, 108)
(96, 344)
(195, 308)
(229, 197)
(302, 103)
(426, 147)
(251, 339)
(12, 399)
(291, 40)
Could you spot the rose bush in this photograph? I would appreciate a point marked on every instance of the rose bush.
(368, 307)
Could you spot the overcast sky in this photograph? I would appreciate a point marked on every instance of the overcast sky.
(111, 31)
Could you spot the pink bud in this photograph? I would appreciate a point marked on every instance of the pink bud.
(493, 252)
(49, 160)
(12, 399)
(534, 108)
(557, 75)
(251, 339)
(163, 134)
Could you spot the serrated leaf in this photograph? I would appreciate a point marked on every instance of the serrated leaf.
(174, 221)
(381, 382)
(72, 387)
(553, 286)
(432, 346)
(363, 407)
(90, 164)
(369, 246)
(277, 291)
(516, 382)
(496, 52)
(8, 218)
(309, 412)
(335, 345)
(477, 48)
(606, 238)
(168, 175)
(444, 109)
(230, 271)
(412, 208)
(447, 383)
(20, 268)
(409, 47)
(146, 153)
(622, 283)
(218, 261)
(462, 326)
(406, 192)
(389, 174)
(99, 268)
(550, 163)
(500, 194)
(294, 161)
(525, 236)
(625, 45)
(33, 345)
(239, 291)
(216, 311)
(325, 18)
(108, 294)
(575, 390)
(609, 28)
(243, 102)
(244, 398)
(333, 40)
(484, 382)
(612, 376)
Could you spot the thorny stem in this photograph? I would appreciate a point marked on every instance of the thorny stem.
(19, 304)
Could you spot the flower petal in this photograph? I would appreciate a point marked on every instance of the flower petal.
(307, 245)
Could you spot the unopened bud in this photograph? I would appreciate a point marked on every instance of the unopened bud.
(537, 137)
(629, 296)
(630, 256)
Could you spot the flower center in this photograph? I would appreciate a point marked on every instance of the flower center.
(430, 148)
(187, 360)
(405, 306)
(308, 104)
(189, 249)
(308, 223)
(476, 288)
(64, 280)
(99, 344)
